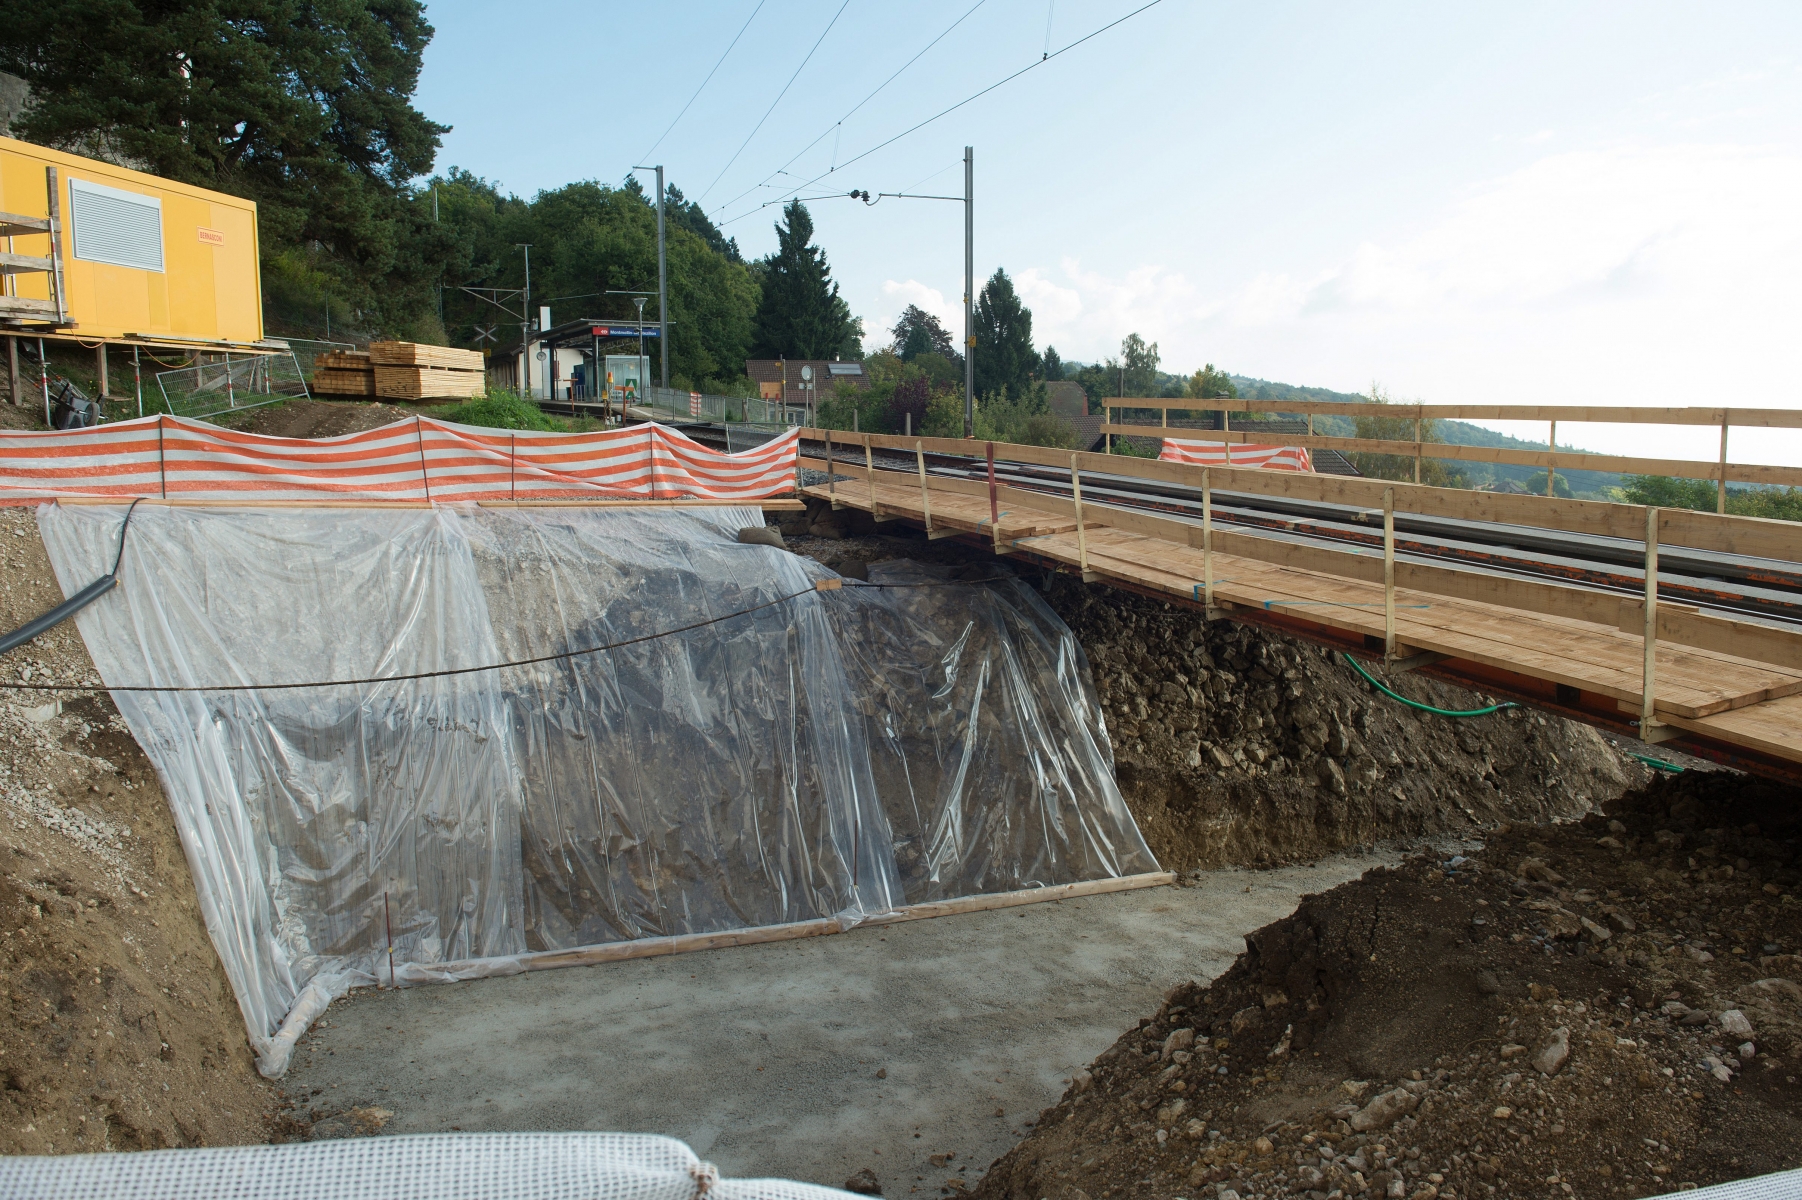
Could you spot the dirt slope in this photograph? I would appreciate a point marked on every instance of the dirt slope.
(1600, 1009)
(121, 1031)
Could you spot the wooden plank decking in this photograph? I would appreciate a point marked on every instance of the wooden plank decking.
(1718, 696)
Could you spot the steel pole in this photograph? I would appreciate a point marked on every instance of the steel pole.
(662, 296)
(525, 329)
(969, 295)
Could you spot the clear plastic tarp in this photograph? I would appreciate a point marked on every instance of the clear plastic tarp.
(749, 751)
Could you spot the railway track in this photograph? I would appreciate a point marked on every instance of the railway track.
(1765, 590)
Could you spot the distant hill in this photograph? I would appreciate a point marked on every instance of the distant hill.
(1268, 396)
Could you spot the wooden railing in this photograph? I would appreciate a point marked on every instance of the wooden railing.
(1721, 471)
(1645, 615)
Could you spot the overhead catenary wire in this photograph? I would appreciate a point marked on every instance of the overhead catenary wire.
(646, 156)
(776, 101)
(839, 124)
(944, 112)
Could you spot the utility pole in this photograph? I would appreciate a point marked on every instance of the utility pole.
(525, 327)
(969, 294)
(662, 297)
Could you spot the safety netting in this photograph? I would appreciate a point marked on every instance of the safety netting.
(687, 736)
(448, 1166)
(422, 460)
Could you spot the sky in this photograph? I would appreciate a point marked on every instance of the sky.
(1542, 203)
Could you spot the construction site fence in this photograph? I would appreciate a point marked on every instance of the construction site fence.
(679, 405)
(230, 383)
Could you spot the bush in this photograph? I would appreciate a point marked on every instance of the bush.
(1778, 504)
(500, 410)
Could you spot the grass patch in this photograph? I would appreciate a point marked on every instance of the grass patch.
(501, 410)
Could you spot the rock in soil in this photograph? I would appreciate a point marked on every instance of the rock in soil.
(1384, 983)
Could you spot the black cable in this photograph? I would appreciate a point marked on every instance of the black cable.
(691, 100)
(944, 112)
(38, 626)
(841, 121)
(523, 662)
(775, 102)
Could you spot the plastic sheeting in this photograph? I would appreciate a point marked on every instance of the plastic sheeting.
(806, 755)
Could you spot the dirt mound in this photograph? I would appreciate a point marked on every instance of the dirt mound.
(121, 1031)
(1239, 746)
(1607, 1008)
(316, 418)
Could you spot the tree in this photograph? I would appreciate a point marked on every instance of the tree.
(1005, 359)
(1209, 384)
(304, 108)
(801, 314)
(1377, 427)
(686, 214)
(1141, 363)
(1052, 364)
(919, 332)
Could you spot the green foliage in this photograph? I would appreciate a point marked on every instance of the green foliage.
(1023, 421)
(801, 314)
(1702, 495)
(1536, 485)
(944, 415)
(1051, 365)
(1433, 472)
(500, 410)
(1141, 362)
(918, 332)
(305, 110)
(1209, 384)
(1005, 359)
(588, 238)
(1127, 448)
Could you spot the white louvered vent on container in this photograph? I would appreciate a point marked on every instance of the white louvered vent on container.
(118, 227)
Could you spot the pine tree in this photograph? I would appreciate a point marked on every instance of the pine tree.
(801, 314)
(1004, 354)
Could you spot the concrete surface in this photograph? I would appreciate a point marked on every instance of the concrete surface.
(765, 1059)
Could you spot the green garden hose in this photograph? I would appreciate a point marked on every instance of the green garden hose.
(1438, 712)
(1658, 764)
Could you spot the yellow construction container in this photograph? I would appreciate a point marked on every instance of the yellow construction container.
(139, 258)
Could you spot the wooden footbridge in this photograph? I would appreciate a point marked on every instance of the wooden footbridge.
(1717, 682)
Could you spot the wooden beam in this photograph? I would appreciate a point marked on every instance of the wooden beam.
(1760, 418)
(780, 505)
(20, 264)
(657, 947)
(1561, 460)
(1749, 536)
(15, 225)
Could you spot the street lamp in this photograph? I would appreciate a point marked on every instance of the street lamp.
(639, 300)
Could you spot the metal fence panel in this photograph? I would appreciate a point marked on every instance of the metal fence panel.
(245, 381)
(677, 405)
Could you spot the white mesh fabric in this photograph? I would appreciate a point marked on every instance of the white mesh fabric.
(1785, 1185)
(452, 1166)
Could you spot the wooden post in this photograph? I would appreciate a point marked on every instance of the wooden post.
(869, 468)
(100, 370)
(831, 491)
(1389, 574)
(925, 495)
(1648, 677)
(1310, 424)
(1082, 537)
(1720, 495)
(56, 244)
(12, 370)
(1207, 545)
(1107, 418)
(1416, 449)
(1552, 446)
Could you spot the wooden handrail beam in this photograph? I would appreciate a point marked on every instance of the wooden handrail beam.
(1561, 460)
(1760, 418)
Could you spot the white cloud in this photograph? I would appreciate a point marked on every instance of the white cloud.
(1648, 275)
(897, 296)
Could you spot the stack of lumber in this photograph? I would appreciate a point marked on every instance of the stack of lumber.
(344, 373)
(411, 371)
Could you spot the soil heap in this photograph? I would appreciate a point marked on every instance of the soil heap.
(1599, 1009)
